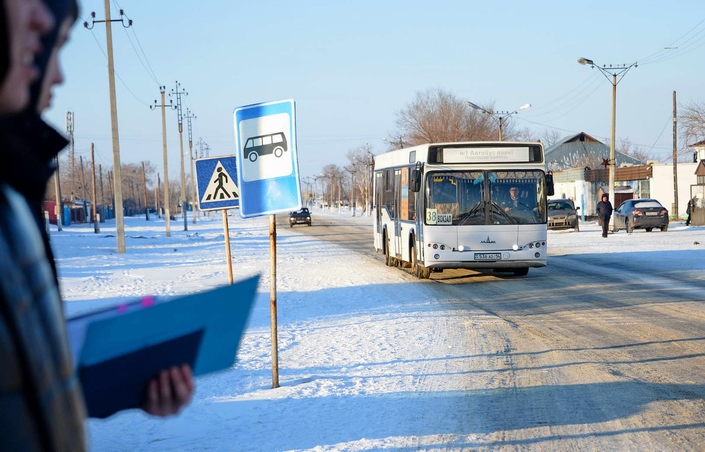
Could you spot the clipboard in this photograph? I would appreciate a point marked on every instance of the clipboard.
(121, 349)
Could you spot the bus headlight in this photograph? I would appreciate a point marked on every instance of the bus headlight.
(461, 248)
(436, 256)
(537, 255)
(515, 247)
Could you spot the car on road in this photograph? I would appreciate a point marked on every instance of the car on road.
(562, 214)
(302, 216)
(644, 213)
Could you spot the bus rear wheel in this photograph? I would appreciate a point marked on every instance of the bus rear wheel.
(389, 261)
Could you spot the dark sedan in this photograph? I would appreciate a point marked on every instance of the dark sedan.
(645, 213)
(562, 214)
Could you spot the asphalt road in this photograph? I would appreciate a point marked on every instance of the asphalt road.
(593, 353)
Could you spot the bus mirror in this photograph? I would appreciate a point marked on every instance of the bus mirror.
(415, 181)
(549, 185)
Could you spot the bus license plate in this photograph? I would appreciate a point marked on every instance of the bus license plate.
(488, 256)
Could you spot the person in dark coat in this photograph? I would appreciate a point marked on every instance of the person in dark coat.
(689, 211)
(41, 402)
(604, 212)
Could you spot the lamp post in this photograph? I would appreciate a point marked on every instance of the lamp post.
(399, 143)
(613, 74)
(499, 115)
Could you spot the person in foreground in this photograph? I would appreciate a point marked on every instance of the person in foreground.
(604, 211)
(41, 403)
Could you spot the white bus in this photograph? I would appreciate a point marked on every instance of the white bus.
(475, 205)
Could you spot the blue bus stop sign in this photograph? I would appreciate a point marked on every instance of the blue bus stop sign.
(268, 169)
(216, 181)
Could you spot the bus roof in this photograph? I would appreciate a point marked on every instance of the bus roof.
(420, 153)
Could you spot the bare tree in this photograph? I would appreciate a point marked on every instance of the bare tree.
(627, 147)
(550, 137)
(361, 169)
(691, 122)
(439, 116)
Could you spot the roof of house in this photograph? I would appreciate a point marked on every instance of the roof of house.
(574, 150)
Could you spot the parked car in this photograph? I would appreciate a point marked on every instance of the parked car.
(645, 213)
(302, 216)
(562, 214)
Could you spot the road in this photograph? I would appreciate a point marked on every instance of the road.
(594, 351)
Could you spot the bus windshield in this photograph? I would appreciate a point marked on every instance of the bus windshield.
(456, 198)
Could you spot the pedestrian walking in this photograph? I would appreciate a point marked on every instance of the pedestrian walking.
(604, 212)
(689, 210)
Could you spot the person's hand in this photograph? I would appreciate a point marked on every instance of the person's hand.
(170, 391)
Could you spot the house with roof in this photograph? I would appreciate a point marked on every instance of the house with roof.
(581, 151)
(580, 172)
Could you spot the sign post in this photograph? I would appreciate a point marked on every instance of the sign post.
(217, 191)
(268, 178)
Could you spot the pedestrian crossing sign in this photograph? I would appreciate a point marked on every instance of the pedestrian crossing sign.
(216, 178)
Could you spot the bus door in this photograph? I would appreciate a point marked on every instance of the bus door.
(397, 211)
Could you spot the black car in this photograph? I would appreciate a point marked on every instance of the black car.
(645, 213)
(562, 214)
(302, 216)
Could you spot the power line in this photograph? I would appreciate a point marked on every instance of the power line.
(115, 72)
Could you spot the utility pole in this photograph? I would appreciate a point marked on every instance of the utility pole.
(72, 156)
(117, 177)
(167, 216)
(180, 117)
(96, 220)
(194, 202)
(83, 183)
(102, 193)
(156, 197)
(144, 184)
(674, 208)
(57, 191)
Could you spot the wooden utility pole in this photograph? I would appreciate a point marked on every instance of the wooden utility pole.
(180, 117)
(194, 202)
(83, 183)
(96, 220)
(117, 177)
(102, 192)
(146, 204)
(674, 209)
(156, 197)
(57, 191)
(167, 215)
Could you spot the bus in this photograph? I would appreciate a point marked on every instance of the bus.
(471, 205)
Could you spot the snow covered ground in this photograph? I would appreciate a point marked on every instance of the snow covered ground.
(356, 338)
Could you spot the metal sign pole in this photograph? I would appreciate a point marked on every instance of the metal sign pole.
(273, 298)
(227, 246)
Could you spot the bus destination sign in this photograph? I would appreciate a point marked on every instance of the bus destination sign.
(486, 155)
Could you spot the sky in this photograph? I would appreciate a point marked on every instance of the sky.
(352, 66)
(370, 358)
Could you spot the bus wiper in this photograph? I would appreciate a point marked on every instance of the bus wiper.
(480, 206)
(497, 208)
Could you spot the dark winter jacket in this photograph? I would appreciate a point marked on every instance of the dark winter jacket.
(41, 404)
(604, 210)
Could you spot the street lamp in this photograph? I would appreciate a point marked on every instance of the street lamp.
(615, 71)
(499, 115)
(399, 143)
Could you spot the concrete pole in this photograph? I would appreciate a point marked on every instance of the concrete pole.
(117, 175)
(612, 145)
(674, 208)
(166, 166)
(183, 177)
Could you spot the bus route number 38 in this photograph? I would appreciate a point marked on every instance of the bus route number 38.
(433, 217)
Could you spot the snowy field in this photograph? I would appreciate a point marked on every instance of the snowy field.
(355, 337)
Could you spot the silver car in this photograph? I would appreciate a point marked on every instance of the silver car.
(562, 214)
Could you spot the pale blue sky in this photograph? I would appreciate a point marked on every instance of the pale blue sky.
(351, 66)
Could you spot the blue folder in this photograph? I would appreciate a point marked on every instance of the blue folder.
(125, 347)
